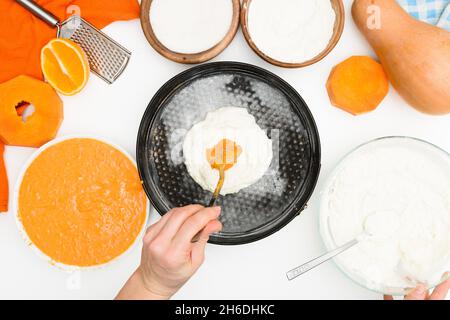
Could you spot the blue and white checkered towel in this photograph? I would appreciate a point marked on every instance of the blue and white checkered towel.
(436, 12)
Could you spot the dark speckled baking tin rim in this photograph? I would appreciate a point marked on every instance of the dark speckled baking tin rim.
(300, 107)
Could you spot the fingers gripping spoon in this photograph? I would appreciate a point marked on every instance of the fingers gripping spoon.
(215, 195)
(107, 59)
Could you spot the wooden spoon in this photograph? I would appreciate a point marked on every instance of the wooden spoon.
(222, 156)
(219, 186)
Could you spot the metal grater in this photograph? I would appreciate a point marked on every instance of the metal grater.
(106, 57)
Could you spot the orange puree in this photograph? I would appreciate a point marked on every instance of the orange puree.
(224, 154)
(81, 202)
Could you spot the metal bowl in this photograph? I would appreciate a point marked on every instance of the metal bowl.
(272, 202)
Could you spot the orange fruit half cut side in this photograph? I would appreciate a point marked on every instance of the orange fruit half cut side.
(65, 66)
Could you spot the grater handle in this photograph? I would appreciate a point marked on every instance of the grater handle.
(39, 12)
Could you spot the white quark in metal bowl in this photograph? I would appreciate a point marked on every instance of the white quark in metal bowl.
(396, 190)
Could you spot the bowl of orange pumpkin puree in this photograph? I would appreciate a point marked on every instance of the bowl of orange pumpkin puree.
(80, 202)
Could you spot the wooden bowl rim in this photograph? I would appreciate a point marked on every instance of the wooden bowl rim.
(187, 58)
(338, 7)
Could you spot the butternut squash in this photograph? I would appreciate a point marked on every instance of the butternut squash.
(414, 54)
(42, 126)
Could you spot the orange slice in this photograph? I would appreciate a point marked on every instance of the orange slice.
(65, 66)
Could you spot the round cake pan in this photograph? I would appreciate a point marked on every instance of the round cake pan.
(272, 202)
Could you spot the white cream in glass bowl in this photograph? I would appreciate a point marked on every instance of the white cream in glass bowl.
(393, 194)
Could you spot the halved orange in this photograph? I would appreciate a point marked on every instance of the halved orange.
(65, 66)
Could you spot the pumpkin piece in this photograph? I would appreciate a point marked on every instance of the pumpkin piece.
(39, 128)
(414, 54)
(4, 192)
(357, 85)
(21, 108)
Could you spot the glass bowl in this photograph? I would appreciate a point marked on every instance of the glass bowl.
(329, 240)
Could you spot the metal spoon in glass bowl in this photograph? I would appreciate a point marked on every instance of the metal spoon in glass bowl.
(373, 226)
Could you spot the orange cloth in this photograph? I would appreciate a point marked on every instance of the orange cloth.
(3, 182)
(22, 35)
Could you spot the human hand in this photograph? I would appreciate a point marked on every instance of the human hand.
(421, 292)
(169, 255)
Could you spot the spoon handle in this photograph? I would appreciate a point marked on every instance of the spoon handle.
(294, 273)
(212, 202)
(219, 186)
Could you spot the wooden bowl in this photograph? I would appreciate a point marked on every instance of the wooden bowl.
(338, 7)
(185, 57)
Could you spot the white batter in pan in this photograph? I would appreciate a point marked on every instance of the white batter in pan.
(237, 125)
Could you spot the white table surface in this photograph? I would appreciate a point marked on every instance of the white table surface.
(252, 271)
